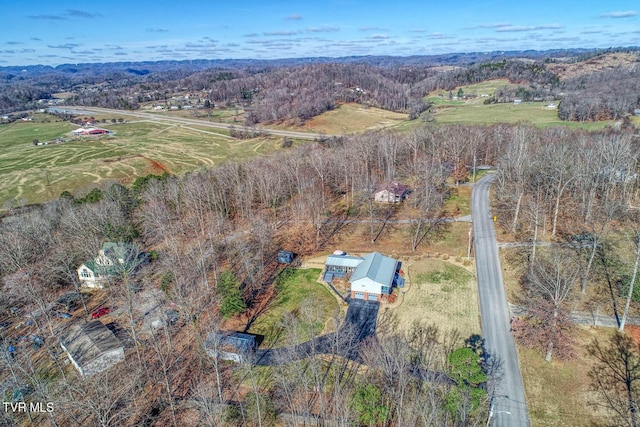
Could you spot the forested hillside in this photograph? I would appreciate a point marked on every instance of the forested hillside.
(298, 90)
(218, 229)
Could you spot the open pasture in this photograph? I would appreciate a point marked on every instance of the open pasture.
(349, 118)
(34, 174)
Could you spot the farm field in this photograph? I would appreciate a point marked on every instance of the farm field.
(228, 115)
(38, 173)
(474, 111)
(536, 113)
(349, 118)
(482, 91)
(441, 293)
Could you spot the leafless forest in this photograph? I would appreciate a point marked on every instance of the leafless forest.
(574, 188)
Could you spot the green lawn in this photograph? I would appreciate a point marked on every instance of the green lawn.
(303, 298)
(536, 113)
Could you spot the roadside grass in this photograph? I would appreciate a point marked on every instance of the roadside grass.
(349, 118)
(39, 173)
(224, 115)
(452, 242)
(513, 263)
(303, 298)
(558, 393)
(460, 198)
(441, 293)
(479, 174)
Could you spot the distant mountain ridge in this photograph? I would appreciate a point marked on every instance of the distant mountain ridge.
(147, 67)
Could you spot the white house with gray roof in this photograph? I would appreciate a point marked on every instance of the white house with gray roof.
(91, 347)
(374, 277)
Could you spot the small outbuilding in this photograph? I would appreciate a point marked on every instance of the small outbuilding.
(91, 347)
(234, 346)
(285, 257)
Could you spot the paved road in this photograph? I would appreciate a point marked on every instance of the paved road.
(82, 110)
(508, 407)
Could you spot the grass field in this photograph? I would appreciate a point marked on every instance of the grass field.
(481, 91)
(441, 293)
(228, 115)
(40, 173)
(349, 118)
(474, 111)
(536, 113)
(299, 287)
(558, 393)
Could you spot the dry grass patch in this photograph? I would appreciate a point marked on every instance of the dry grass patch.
(459, 201)
(558, 393)
(352, 118)
(439, 292)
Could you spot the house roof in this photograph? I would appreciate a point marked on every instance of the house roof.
(86, 342)
(396, 188)
(237, 342)
(122, 254)
(376, 267)
(343, 260)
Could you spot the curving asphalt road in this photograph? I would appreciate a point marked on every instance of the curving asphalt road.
(508, 405)
(82, 110)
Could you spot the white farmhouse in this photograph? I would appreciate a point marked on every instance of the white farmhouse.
(113, 257)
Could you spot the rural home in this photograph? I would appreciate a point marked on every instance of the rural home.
(234, 346)
(113, 257)
(374, 277)
(91, 347)
(392, 192)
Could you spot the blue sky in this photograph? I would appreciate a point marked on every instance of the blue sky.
(54, 32)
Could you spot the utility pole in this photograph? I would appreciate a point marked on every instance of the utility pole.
(469, 247)
(474, 167)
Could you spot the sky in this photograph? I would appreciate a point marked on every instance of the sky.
(70, 32)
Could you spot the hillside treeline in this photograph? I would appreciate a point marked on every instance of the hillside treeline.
(297, 90)
(606, 95)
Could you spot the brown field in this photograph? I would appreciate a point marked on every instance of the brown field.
(441, 292)
(558, 393)
(349, 118)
